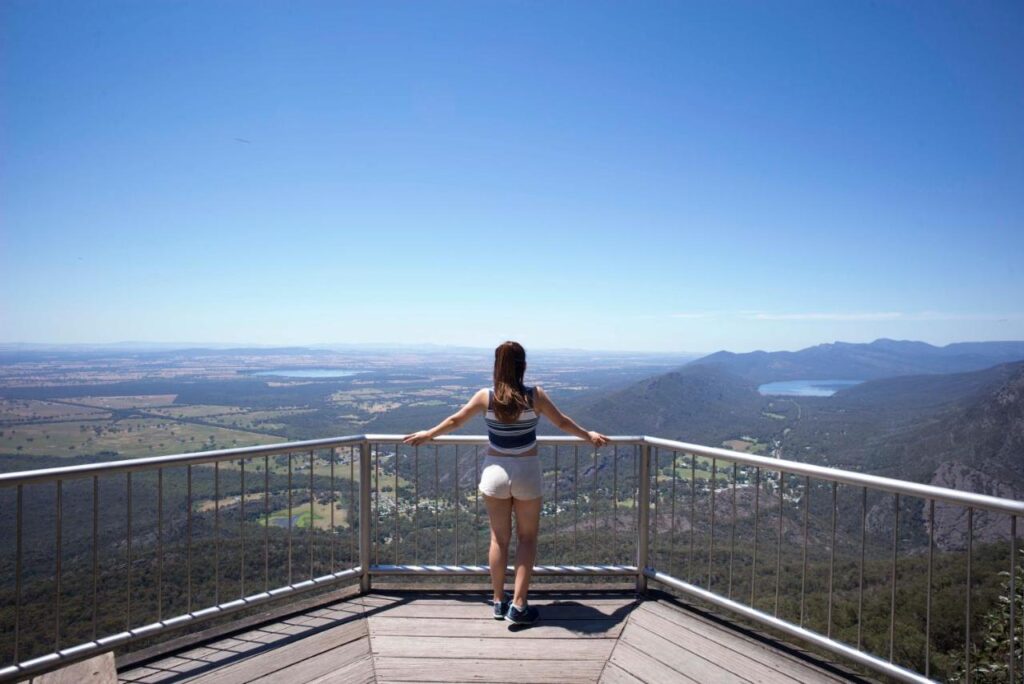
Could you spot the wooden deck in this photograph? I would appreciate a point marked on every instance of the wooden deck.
(592, 636)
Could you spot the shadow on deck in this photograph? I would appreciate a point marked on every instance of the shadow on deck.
(449, 636)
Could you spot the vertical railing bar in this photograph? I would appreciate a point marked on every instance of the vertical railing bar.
(778, 545)
(928, 593)
(860, 572)
(289, 518)
(353, 518)
(656, 495)
(58, 543)
(711, 536)
(693, 518)
(159, 544)
(476, 504)
(732, 534)
(803, 572)
(892, 600)
(375, 454)
(557, 547)
(364, 516)
(967, 612)
(416, 505)
(757, 507)
(575, 498)
(398, 542)
(128, 550)
(636, 486)
(216, 533)
(266, 523)
(334, 504)
(95, 554)
(17, 569)
(458, 504)
(437, 505)
(593, 508)
(312, 511)
(672, 513)
(615, 500)
(188, 534)
(643, 519)
(832, 556)
(1013, 596)
(241, 530)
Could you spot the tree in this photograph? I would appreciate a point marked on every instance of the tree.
(990, 660)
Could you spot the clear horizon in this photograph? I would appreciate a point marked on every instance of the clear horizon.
(158, 345)
(595, 176)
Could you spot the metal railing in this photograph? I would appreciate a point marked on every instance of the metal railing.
(199, 540)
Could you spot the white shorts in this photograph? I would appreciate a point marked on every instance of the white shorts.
(504, 477)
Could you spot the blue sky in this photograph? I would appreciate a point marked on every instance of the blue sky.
(649, 176)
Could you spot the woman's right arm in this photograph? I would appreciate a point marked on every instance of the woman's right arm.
(563, 422)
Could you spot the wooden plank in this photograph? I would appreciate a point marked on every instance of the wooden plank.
(689, 662)
(747, 646)
(693, 644)
(613, 674)
(477, 611)
(645, 668)
(489, 628)
(294, 605)
(481, 670)
(359, 671)
(511, 647)
(317, 666)
(96, 670)
(278, 657)
(374, 600)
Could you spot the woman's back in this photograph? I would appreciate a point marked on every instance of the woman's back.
(516, 438)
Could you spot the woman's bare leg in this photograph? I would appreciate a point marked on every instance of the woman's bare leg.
(527, 524)
(500, 513)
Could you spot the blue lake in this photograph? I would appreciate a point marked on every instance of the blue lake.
(307, 373)
(806, 388)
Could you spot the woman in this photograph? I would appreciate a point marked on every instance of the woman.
(511, 476)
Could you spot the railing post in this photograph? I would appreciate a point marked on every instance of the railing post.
(644, 517)
(364, 516)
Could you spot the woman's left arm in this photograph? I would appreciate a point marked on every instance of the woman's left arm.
(478, 404)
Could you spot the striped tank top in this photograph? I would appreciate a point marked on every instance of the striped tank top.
(512, 439)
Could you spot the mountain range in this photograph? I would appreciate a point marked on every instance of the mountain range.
(879, 359)
(945, 416)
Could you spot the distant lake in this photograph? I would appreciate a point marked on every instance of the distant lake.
(806, 388)
(307, 373)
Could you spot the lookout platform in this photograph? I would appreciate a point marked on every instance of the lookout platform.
(423, 635)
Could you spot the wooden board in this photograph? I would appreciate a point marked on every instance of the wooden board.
(663, 618)
(245, 667)
(315, 667)
(681, 660)
(481, 670)
(643, 667)
(358, 671)
(527, 648)
(613, 674)
(415, 627)
(476, 611)
(96, 670)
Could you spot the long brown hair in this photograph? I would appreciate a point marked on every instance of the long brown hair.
(509, 392)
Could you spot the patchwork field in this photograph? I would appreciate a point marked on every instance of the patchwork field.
(127, 438)
(19, 410)
(136, 401)
(197, 411)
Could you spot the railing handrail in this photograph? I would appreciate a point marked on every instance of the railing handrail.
(888, 484)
